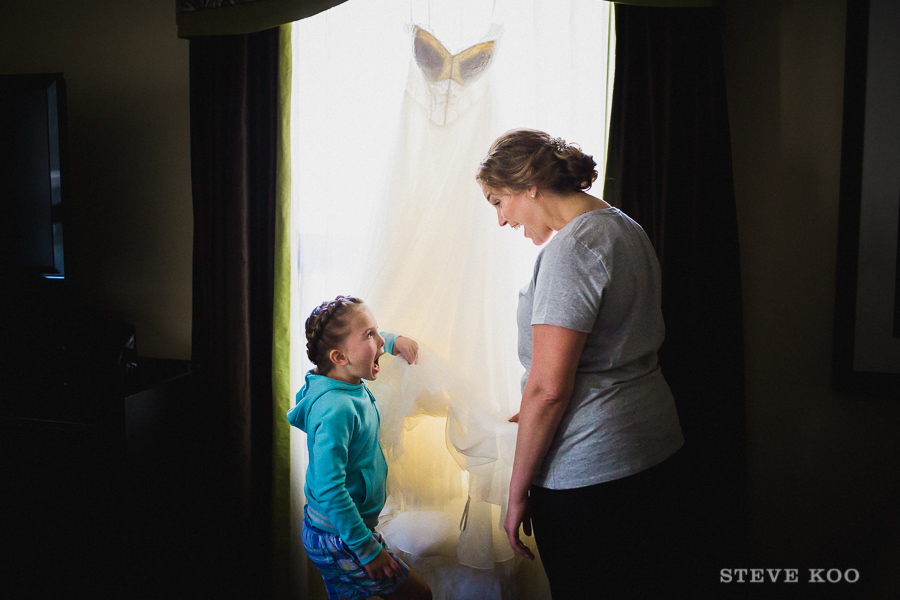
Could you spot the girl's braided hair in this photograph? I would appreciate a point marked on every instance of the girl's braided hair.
(326, 329)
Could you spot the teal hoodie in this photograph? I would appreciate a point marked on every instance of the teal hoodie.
(345, 480)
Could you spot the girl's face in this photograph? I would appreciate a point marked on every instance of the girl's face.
(519, 209)
(362, 348)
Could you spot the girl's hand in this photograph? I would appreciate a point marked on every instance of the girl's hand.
(383, 567)
(407, 348)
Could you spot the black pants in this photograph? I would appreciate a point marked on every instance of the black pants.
(618, 539)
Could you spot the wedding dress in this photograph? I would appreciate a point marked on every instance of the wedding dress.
(446, 275)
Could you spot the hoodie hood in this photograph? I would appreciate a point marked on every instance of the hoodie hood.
(314, 387)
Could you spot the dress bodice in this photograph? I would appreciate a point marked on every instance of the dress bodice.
(445, 83)
(438, 64)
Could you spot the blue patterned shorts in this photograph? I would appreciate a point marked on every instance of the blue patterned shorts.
(344, 576)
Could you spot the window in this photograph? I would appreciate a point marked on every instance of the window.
(394, 105)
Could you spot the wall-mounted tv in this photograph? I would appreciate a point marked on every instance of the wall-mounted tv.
(33, 192)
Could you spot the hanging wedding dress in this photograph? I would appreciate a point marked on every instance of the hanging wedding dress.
(434, 276)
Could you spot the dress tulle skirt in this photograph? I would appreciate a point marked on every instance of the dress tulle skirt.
(450, 460)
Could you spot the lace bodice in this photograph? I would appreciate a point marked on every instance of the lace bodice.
(438, 64)
(444, 83)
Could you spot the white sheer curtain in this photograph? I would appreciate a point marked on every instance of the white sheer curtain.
(387, 131)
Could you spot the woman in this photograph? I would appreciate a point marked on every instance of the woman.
(597, 418)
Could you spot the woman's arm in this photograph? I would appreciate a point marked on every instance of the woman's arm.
(554, 360)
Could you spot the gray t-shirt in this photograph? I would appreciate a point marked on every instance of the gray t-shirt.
(599, 275)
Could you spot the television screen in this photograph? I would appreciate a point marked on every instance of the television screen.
(32, 170)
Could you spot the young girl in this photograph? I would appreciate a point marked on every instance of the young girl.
(345, 480)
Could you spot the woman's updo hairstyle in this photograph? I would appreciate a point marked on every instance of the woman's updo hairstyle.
(521, 158)
(326, 329)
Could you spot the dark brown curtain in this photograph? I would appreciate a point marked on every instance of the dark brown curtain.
(233, 103)
(669, 167)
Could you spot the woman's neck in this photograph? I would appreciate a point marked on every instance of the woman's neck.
(562, 208)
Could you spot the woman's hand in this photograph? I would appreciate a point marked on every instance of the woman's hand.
(406, 347)
(518, 513)
(383, 567)
(555, 355)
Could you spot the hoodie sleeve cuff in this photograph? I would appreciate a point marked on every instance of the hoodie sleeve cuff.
(388, 341)
(368, 551)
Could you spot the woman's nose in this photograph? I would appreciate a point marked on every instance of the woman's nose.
(500, 220)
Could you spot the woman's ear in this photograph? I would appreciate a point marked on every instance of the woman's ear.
(532, 191)
(338, 357)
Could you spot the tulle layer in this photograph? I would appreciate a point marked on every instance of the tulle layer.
(450, 457)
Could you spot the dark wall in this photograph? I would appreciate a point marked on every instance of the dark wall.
(129, 149)
(824, 491)
(67, 496)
